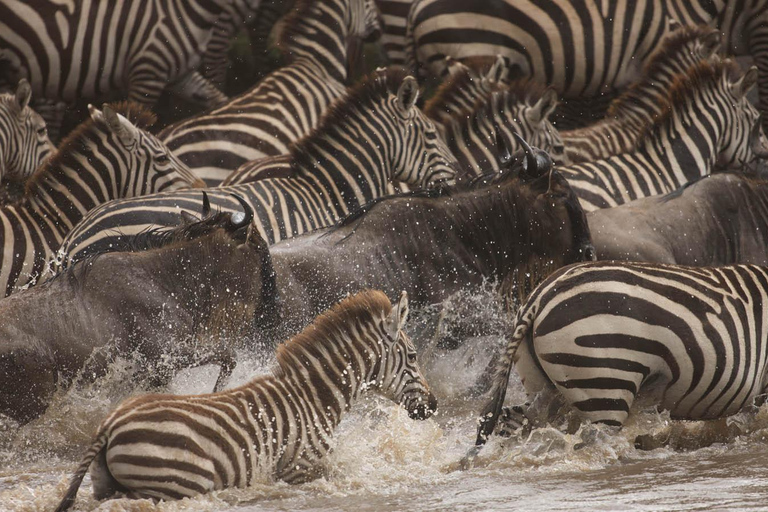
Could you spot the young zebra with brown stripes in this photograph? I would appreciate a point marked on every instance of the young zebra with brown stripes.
(707, 123)
(376, 135)
(24, 142)
(598, 336)
(105, 158)
(277, 426)
(637, 107)
(288, 103)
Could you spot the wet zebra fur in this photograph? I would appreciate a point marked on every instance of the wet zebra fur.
(373, 137)
(24, 142)
(288, 103)
(599, 335)
(707, 123)
(106, 157)
(278, 426)
(163, 43)
(637, 107)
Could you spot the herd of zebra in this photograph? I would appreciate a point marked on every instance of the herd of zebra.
(554, 134)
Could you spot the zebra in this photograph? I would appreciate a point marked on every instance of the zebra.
(636, 107)
(24, 142)
(277, 425)
(377, 134)
(394, 16)
(43, 41)
(288, 103)
(108, 156)
(599, 335)
(706, 123)
(577, 45)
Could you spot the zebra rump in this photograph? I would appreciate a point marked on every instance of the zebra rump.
(694, 340)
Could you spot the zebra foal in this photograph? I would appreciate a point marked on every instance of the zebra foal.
(599, 335)
(171, 447)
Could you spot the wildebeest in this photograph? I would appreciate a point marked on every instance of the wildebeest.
(435, 243)
(720, 219)
(181, 294)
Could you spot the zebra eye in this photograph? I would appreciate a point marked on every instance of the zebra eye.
(412, 357)
(42, 131)
(162, 158)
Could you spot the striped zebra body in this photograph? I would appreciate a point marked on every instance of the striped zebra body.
(277, 426)
(44, 41)
(214, 61)
(394, 15)
(692, 339)
(105, 158)
(24, 142)
(288, 103)
(376, 135)
(708, 123)
(630, 113)
(582, 47)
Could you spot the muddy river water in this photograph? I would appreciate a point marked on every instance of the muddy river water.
(382, 460)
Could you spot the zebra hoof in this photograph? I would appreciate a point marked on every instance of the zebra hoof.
(511, 420)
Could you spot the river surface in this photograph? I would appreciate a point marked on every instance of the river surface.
(383, 461)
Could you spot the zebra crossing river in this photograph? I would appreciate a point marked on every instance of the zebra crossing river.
(382, 460)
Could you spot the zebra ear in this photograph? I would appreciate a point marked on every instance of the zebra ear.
(541, 110)
(742, 86)
(23, 95)
(399, 314)
(453, 66)
(408, 93)
(499, 71)
(120, 126)
(709, 44)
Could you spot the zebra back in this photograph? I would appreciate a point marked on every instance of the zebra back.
(277, 426)
(106, 157)
(24, 142)
(706, 123)
(285, 105)
(638, 106)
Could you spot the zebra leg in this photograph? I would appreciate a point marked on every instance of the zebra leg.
(513, 419)
(195, 88)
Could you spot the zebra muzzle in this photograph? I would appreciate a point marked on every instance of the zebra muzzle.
(420, 408)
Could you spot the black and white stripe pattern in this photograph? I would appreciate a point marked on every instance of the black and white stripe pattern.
(394, 15)
(374, 136)
(581, 47)
(69, 50)
(628, 115)
(107, 157)
(24, 142)
(277, 426)
(288, 103)
(708, 123)
(598, 334)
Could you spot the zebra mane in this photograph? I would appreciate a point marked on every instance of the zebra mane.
(340, 321)
(373, 88)
(136, 113)
(686, 85)
(290, 26)
(462, 79)
(523, 91)
(668, 52)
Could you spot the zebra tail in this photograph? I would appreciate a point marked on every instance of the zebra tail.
(490, 414)
(74, 484)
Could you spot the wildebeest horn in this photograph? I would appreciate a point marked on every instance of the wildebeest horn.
(530, 158)
(247, 215)
(206, 205)
(502, 147)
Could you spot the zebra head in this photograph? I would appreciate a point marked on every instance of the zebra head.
(422, 158)
(528, 118)
(744, 139)
(159, 169)
(24, 142)
(400, 376)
